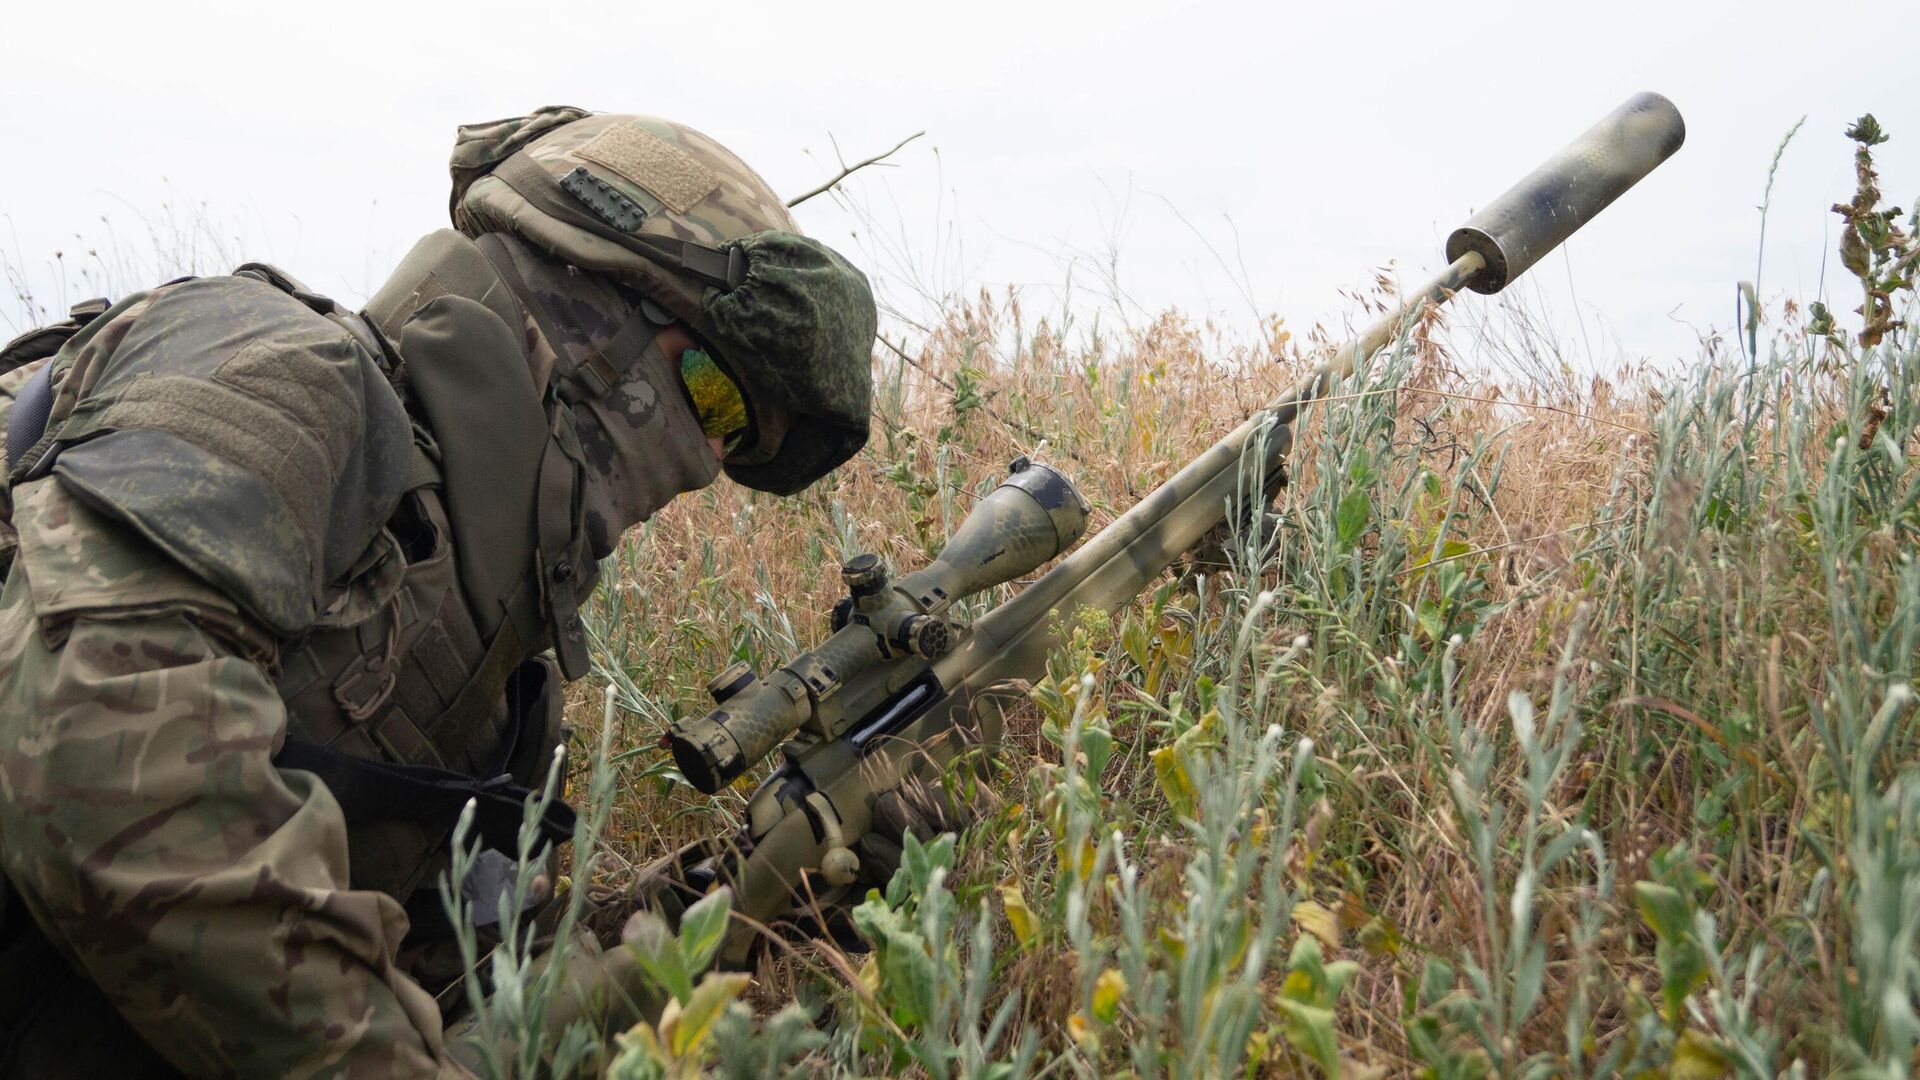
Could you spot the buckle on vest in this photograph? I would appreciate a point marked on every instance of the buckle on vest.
(365, 686)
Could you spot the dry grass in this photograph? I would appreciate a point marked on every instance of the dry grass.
(1687, 753)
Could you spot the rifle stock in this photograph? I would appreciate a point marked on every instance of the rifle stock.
(909, 713)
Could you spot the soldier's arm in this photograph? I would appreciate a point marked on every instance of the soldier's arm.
(143, 820)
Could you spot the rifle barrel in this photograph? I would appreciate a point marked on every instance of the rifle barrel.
(1495, 246)
(1013, 640)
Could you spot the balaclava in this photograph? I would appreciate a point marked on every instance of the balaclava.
(642, 442)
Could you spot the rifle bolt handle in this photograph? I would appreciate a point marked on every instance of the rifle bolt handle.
(840, 866)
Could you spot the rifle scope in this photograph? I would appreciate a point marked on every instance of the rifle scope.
(1035, 514)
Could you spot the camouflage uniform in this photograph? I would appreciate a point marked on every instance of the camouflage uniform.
(269, 556)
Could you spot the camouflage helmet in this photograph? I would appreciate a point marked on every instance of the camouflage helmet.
(662, 209)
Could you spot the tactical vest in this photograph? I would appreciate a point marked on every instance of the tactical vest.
(442, 676)
(421, 684)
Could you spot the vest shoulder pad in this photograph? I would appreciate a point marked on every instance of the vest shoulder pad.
(249, 437)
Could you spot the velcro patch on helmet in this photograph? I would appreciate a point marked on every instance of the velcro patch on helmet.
(672, 175)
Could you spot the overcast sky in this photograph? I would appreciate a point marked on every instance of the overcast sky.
(1238, 157)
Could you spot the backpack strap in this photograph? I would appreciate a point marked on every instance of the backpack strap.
(370, 791)
(27, 423)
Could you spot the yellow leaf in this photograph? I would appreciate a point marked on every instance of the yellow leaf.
(1175, 782)
(669, 1023)
(1380, 937)
(1108, 989)
(1318, 921)
(1019, 915)
(1697, 1056)
(1298, 986)
(1175, 945)
(1259, 1044)
(639, 1047)
(695, 1021)
(1082, 1032)
(1079, 861)
(1258, 834)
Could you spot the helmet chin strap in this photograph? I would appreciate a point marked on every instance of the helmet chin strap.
(609, 359)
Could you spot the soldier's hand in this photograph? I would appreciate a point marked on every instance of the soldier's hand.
(605, 987)
(925, 810)
(1258, 525)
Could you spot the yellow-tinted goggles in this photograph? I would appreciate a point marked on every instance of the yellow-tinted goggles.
(716, 400)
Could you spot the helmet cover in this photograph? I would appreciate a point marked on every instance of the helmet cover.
(663, 210)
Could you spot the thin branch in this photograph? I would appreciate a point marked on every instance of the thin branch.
(1569, 531)
(1006, 421)
(1458, 396)
(847, 170)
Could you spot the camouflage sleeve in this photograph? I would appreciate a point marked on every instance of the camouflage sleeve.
(144, 823)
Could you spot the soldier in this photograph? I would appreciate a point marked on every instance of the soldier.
(283, 581)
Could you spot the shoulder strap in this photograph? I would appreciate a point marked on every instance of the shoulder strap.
(558, 522)
(494, 249)
(525, 460)
(44, 341)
